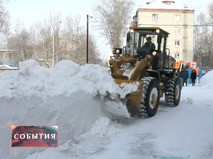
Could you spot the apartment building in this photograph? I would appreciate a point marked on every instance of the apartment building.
(175, 19)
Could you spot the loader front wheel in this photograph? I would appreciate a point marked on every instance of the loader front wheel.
(173, 92)
(150, 97)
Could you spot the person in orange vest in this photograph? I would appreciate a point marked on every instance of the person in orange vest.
(196, 69)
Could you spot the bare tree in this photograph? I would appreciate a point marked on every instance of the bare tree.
(43, 41)
(113, 17)
(74, 35)
(210, 54)
(21, 42)
(47, 39)
(201, 38)
(4, 20)
(48, 43)
(204, 38)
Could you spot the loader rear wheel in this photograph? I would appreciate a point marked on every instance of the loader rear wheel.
(150, 97)
(173, 92)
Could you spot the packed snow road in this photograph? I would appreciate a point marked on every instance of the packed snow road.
(35, 95)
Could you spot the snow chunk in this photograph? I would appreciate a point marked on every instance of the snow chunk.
(129, 87)
(29, 67)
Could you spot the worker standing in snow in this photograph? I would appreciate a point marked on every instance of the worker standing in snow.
(184, 75)
(193, 76)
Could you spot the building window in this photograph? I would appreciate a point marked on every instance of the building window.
(177, 30)
(177, 55)
(177, 17)
(154, 16)
(5, 55)
(177, 42)
(10, 56)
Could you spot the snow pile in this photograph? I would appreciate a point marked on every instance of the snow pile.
(66, 78)
(206, 81)
(202, 92)
(91, 142)
(68, 96)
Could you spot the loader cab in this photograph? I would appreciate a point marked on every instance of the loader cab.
(136, 39)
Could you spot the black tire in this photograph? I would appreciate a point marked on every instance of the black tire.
(173, 92)
(150, 97)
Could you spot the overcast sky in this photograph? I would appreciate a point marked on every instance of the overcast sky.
(30, 11)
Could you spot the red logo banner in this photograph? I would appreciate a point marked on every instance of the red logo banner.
(34, 136)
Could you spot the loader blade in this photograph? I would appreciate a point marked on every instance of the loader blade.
(113, 105)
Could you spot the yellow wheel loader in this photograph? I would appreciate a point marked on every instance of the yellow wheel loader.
(151, 67)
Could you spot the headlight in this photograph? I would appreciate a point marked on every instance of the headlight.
(154, 53)
(117, 51)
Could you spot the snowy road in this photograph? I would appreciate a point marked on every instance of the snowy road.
(183, 132)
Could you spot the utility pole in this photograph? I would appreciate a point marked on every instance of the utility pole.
(53, 47)
(53, 61)
(87, 39)
(87, 45)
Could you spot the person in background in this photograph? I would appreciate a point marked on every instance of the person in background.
(184, 75)
(193, 76)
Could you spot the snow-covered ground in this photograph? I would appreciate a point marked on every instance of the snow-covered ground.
(68, 96)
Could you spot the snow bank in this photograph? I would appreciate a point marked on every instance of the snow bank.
(91, 142)
(66, 78)
(199, 93)
(206, 80)
(65, 96)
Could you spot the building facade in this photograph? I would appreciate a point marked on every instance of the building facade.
(177, 20)
(8, 58)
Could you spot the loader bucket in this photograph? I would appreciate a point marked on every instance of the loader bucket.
(113, 105)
